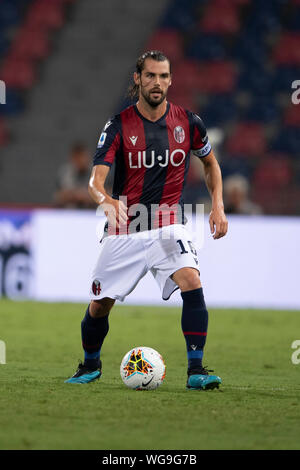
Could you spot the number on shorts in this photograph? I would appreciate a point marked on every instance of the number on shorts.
(183, 249)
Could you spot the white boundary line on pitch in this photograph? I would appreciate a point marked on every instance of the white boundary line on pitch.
(264, 389)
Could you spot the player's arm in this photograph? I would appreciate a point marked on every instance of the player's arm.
(107, 147)
(115, 210)
(213, 178)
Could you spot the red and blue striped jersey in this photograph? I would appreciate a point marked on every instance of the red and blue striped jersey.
(151, 159)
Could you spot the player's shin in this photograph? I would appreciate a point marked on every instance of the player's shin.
(93, 333)
(194, 322)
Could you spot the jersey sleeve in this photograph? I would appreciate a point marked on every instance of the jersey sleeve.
(108, 144)
(200, 143)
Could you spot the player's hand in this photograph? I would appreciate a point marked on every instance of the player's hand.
(218, 223)
(116, 212)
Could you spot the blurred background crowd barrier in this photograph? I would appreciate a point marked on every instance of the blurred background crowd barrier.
(48, 255)
(65, 66)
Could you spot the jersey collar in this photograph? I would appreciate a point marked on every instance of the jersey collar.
(148, 120)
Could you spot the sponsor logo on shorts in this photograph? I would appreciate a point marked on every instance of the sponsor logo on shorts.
(96, 287)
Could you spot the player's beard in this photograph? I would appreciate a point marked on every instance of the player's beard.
(153, 102)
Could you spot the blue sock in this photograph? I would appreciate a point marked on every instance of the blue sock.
(93, 332)
(194, 322)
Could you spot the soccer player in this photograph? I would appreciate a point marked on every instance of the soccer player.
(150, 144)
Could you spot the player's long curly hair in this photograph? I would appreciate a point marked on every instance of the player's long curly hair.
(133, 90)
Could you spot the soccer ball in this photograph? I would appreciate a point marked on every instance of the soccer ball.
(142, 368)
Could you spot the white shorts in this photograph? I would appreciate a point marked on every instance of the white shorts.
(125, 259)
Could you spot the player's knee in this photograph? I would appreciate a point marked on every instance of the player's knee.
(101, 308)
(189, 280)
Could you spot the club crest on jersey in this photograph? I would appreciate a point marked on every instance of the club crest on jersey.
(96, 287)
(179, 134)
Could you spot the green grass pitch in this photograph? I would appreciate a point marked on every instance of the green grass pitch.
(257, 407)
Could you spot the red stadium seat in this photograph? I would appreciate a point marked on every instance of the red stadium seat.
(292, 116)
(185, 75)
(30, 45)
(206, 77)
(220, 18)
(216, 77)
(274, 172)
(247, 139)
(184, 98)
(169, 41)
(18, 73)
(287, 51)
(45, 14)
(277, 202)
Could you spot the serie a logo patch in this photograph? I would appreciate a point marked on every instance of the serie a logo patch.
(101, 140)
(96, 287)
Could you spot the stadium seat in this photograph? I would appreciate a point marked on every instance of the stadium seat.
(209, 77)
(247, 140)
(287, 51)
(185, 75)
(231, 165)
(179, 15)
(217, 77)
(249, 51)
(287, 140)
(274, 171)
(220, 18)
(262, 109)
(220, 110)
(283, 202)
(19, 74)
(206, 47)
(255, 79)
(185, 98)
(9, 14)
(169, 41)
(31, 45)
(45, 14)
(284, 77)
(272, 184)
(291, 116)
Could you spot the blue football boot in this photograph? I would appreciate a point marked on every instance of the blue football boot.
(199, 379)
(84, 375)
